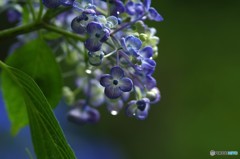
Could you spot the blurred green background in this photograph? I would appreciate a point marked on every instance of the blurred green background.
(198, 73)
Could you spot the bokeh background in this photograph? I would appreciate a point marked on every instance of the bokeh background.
(198, 73)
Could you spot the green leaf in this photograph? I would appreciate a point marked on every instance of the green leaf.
(37, 60)
(47, 136)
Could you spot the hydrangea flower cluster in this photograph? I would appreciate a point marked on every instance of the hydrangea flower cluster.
(117, 58)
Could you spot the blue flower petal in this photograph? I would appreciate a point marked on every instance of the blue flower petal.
(112, 92)
(93, 28)
(106, 80)
(81, 116)
(114, 107)
(117, 8)
(146, 52)
(76, 25)
(133, 43)
(117, 73)
(147, 4)
(154, 15)
(150, 82)
(123, 44)
(154, 95)
(93, 45)
(131, 108)
(130, 8)
(148, 66)
(51, 3)
(142, 114)
(67, 2)
(139, 8)
(104, 35)
(125, 84)
(143, 106)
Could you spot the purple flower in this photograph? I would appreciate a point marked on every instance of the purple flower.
(138, 108)
(136, 9)
(143, 79)
(95, 58)
(97, 35)
(154, 95)
(117, 7)
(139, 8)
(51, 3)
(13, 15)
(115, 83)
(147, 64)
(67, 2)
(154, 15)
(131, 45)
(80, 23)
(146, 52)
(114, 106)
(82, 113)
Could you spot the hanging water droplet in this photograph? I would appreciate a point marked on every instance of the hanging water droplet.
(88, 71)
(114, 112)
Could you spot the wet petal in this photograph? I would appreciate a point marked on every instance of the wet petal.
(117, 8)
(93, 28)
(112, 22)
(154, 15)
(95, 58)
(76, 25)
(106, 80)
(131, 108)
(116, 72)
(125, 84)
(112, 92)
(114, 107)
(93, 45)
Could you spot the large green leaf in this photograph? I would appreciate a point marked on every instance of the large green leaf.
(37, 60)
(47, 136)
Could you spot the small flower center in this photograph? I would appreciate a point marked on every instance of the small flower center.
(97, 35)
(141, 105)
(115, 82)
(86, 18)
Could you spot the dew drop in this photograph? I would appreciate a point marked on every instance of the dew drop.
(114, 112)
(88, 71)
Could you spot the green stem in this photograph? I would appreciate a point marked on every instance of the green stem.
(40, 11)
(128, 24)
(63, 32)
(31, 9)
(13, 32)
